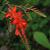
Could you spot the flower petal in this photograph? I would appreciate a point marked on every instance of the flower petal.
(14, 9)
(7, 15)
(19, 14)
(24, 23)
(13, 22)
(17, 32)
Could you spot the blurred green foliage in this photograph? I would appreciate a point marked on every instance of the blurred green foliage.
(36, 23)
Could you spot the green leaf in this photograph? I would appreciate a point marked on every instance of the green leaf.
(18, 2)
(41, 39)
(46, 2)
(34, 2)
(3, 1)
(1, 15)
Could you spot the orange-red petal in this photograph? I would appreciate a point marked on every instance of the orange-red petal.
(7, 15)
(14, 9)
(17, 32)
(19, 14)
(24, 23)
(14, 22)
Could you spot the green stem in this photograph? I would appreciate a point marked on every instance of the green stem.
(25, 40)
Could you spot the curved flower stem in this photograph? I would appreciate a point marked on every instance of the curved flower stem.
(21, 38)
(25, 41)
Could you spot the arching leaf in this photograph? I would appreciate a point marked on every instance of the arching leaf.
(41, 39)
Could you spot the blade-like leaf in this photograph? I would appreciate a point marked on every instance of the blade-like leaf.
(41, 39)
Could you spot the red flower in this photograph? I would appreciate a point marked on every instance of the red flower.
(17, 20)
(13, 14)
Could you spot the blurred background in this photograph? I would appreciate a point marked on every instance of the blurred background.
(37, 31)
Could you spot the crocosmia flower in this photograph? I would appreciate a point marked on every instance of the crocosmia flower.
(18, 21)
